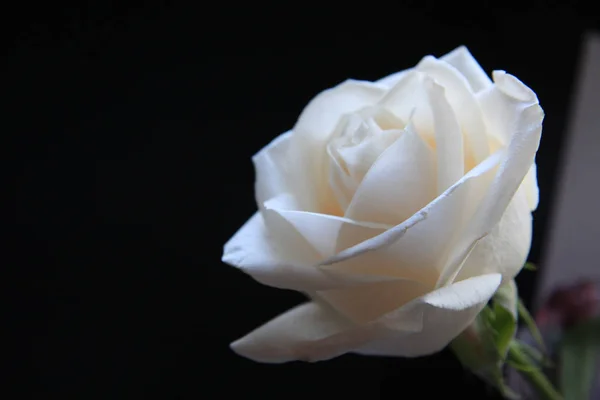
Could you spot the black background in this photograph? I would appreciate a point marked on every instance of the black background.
(134, 127)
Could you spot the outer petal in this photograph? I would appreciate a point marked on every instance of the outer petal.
(461, 59)
(506, 248)
(445, 313)
(309, 332)
(271, 167)
(503, 103)
(367, 302)
(268, 260)
(398, 184)
(530, 186)
(520, 157)
(392, 79)
(313, 332)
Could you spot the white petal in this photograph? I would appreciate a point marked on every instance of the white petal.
(530, 186)
(314, 127)
(448, 138)
(400, 183)
(322, 114)
(506, 248)
(342, 184)
(309, 332)
(255, 251)
(445, 313)
(370, 301)
(461, 59)
(314, 332)
(417, 249)
(359, 158)
(271, 168)
(464, 104)
(392, 79)
(407, 100)
(358, 140)
(519, 159)
(319, 230)
(503, 103)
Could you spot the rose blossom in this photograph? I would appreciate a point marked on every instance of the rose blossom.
(398, 207)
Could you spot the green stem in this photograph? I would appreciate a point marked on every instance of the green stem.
(534, 375)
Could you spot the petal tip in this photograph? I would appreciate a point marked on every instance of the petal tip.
(511, 86)
(247, 349)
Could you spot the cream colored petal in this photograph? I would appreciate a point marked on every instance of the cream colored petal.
(417, 249)
(530, 186)
(448, 138)
(368, 302)
(314, 332)
(400, 183)
(318, 120)
(461, 59)
(314, 127)
(506, 248)
(319, 230)
(253, 250)
(519, 159)
(444, 313)
(358, 141)
(342, 184)
(503, 103)
(465, 106)
(272, 169)
(358, 159)
(407, 100)
(392, 79)
(281, 257)
(309, 332)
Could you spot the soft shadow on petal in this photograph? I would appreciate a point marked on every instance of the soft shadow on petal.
(444, 313)
(465, 106)
(520, 156)
(358, 141)
(319, 230)
(530, 186)
(407, 99)
(318, 120)
(314, 127)
(398, 184)
(461, 59)
(255, 251)
(310, 332)
(506, 248)
(502, 105)
(418, 248)
(448, 138)
(370, 301)
(271, 168)
(314, 332)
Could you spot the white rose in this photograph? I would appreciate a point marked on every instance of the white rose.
(398, 206)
